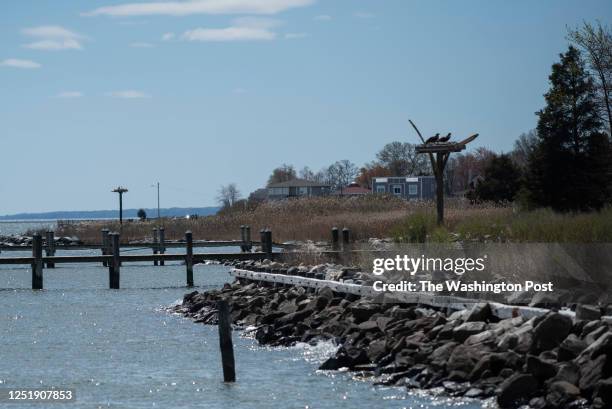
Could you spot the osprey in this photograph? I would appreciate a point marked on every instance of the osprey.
(433, 139)
(445, 138)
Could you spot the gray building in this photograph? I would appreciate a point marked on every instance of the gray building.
(297, 188)
(416, 187)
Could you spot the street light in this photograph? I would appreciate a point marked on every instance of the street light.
(158, 212)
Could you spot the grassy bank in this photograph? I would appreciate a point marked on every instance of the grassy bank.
(304, 219)
(374, 216)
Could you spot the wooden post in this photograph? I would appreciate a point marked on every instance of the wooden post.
(189, 258)
(440, 163)
(268, 244)
(248, 238)
(346, 239)
(162, 244)
(105, 245)
(225, 342)
(115, 265)
(50, 250)
(242, 239)
(335, 239)
(155, 244)
(262, 240)
(37, 264)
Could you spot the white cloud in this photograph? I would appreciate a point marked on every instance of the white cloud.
(17, 63)
(141, 45)
(242, 29)
(168, 36)
(363, 14)
(69, 94)
(184, 8)
(53, 38)
(323, 17)
(293, 36)
(128, 94)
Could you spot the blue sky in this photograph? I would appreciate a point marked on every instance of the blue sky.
(196, 94)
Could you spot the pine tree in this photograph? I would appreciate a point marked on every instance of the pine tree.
(501, 180)
(569, 165)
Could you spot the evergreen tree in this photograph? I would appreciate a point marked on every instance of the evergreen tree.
(569, 165)
(501, 180)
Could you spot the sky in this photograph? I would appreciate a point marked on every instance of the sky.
(201, 93)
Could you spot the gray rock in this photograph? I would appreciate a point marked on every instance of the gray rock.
(516, 390)
(561, 392)
(551, 331)
(465, 330)
(587, 312)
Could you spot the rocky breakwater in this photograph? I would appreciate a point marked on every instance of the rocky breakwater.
(19, 240)
(551, 361)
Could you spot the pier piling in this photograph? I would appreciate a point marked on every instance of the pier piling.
(249, 244)
(335, 239)
(162, 243)
(155, 244)
(115, 265)
(37, 264)
(268, 235)
(243, 238)
(225, 342)
(189, 257)
(105, 245)
(346, 239)
(50, 248)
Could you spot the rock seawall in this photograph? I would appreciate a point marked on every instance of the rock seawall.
(552, 361)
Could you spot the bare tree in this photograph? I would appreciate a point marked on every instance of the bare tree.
(341, 173)
(282, 173)
(523, 147)
(307, 174)
(402, 160)
(596, 42)
(228, 195)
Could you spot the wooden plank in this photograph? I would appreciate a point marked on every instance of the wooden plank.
(167, 244)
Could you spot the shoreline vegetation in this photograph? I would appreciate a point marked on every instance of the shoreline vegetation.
(372, 216)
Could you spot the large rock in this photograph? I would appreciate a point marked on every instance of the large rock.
(570, 348)
(587, 312)
(463, 331)
(561, 392)
(516, 390)
(604, 391)
(541, 369)
(464, 358)
(550, 331)
(479, 312)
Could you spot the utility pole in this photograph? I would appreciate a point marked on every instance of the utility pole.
(121, 191)
(158, 216)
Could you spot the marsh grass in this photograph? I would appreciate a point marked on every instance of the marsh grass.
(372, 216)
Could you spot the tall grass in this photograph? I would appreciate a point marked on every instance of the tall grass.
(373, 216)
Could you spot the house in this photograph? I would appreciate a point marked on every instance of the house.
(297, 188)
(352, 190)
(416, 187)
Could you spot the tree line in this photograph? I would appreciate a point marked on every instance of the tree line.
(565, 163)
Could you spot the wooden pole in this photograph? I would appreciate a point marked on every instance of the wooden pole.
(155, 244)
(37, 265)
(105, 245)
(162, 243)
(440, 162)
(262, 240)
(248, 238)
(189, 257)
(346, 238)
(115, 265)
(225, 342)
(242, 238)
(50, 250)
(268, 234)
(335, 238)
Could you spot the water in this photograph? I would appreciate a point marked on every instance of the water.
(121, 349)
(8, 228)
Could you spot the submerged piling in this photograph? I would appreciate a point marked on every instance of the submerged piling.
(225, 342)
(37, 264)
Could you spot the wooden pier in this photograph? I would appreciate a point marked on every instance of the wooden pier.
(112, 258)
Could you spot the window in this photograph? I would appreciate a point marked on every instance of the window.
(380, 189)
(397, 190)
(412, 189)
(303, 191)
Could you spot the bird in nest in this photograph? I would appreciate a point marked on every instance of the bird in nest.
(445, 138)
(433, 139)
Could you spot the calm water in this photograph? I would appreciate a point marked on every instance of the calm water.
(120, 349)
